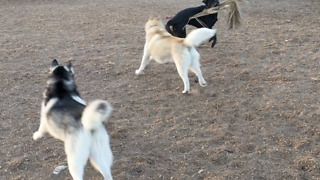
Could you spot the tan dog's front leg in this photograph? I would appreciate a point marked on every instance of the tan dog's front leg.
(145, 60)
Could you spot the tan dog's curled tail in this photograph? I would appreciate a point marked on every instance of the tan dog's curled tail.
(198, 36)
(95, 113)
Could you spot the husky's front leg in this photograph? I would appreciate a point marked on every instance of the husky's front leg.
(42, 128)
(145, 60)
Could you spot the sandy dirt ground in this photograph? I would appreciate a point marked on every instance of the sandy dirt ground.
(258, 118)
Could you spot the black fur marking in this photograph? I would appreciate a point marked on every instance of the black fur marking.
(102, 107)
(177, 25)
(60, 84)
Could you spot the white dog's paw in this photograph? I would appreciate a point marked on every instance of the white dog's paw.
(37, 135)
(138, 72)
(203, 84)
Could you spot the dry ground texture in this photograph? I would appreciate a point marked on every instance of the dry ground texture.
(258, 118)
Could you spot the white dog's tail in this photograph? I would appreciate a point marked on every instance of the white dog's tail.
(197, 36)
(95, 113)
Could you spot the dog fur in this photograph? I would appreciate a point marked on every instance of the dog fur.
(177, 25)
(65, 116)
(163, 47)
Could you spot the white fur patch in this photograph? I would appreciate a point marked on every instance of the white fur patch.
(78, 99)
(68, 83)
(66, 68)
(69, 69)
(92, 116)
(53, 68)
(49, 105)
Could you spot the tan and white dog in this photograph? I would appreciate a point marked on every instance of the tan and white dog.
(163, 47)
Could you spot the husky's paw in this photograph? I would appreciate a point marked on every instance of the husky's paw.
(138, 72)
(185, 91)
(37, 135)
(203, 84)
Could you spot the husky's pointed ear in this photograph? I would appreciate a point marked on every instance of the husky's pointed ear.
(69, 66)
(54, 63)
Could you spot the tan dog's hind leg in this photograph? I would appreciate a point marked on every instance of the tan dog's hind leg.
(182, 63)
(195, 66)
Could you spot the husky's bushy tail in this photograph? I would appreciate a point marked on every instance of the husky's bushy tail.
(197, 36)
(95, 113)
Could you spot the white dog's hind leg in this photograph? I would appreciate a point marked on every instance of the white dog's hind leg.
(195, 66)
(145, 60)
(100, 153)
(77, 150)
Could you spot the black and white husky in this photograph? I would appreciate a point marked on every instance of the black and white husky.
(65, 116)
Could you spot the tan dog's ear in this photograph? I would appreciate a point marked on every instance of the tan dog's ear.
(152, 18)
